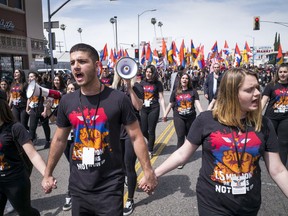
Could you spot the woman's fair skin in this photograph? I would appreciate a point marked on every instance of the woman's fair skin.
(70, 88)
(249, 94)
(17, 75)
(3, 86)
(56, 83)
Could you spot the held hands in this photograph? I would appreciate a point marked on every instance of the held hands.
(164, 119)
(48, 184)
(148, 183)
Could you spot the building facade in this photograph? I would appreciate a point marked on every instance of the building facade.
(21, 35)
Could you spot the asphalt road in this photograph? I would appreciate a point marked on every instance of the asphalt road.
(175, 194)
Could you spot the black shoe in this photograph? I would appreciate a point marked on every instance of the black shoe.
(129, 207)
(47, 145)
(68, 204)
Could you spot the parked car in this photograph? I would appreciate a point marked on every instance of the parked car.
(56, 71)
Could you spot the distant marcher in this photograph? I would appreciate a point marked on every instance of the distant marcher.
(212, 82)
(183, 101)
(276, 94)
(38, 112)
(153, 99)
(18, 98)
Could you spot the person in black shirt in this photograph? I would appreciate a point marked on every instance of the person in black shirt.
(15, 183)
(234, 136)
(276, 94)
(95, 112)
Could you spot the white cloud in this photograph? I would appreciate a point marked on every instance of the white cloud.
(200, 20)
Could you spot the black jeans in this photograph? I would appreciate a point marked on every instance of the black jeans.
(281, 131)
(129, 162)
(19, 194)
(182, 127)
(104, 203)
(21, 115)
(34, 119)
(149, 120)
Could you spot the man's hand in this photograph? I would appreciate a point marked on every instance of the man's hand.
(148, 183)
(48, 184)
(206, 96)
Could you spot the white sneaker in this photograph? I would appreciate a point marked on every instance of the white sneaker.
(8, 208)
(68, 204)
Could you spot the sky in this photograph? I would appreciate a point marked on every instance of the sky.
(203, 21)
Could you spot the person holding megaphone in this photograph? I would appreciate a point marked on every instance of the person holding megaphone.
(37, 111)
(125, 81)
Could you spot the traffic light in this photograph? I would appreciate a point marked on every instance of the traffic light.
(256, 23)
(47, 60)
(137, 53)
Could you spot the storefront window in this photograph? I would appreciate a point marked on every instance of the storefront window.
(18, 4)
(3, 2)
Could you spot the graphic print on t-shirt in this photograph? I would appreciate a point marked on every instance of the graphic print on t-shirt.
(16, 94)
(148, 92)
(34, 100)
(184, 104)
(226, 162)
(97, 128)
(281, 103)
(3, 164)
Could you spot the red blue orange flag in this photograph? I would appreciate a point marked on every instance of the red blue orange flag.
(214, 51)
(279, 58)
(149, 55)
(246, 53)
(172, 54)
(182, 54)
(143, 55)
(104, 53)
(237, 56)
(194, 52)
(226, 48)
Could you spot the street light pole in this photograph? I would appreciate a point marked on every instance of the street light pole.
(139, 26)
(160, 24)
(80, 31)
(63, 27)
(113, 20)
(50, 33)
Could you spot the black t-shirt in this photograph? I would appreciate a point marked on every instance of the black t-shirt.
(104, 114)
(137, 88)
(219, 163)
(11, 165)
(184, 103)
(18, 92)
(277, 107)
(151, 92)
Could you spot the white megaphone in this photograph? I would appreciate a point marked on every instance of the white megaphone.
(35, 90)
(127, 68)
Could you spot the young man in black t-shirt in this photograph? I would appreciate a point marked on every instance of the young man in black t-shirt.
(95, 113)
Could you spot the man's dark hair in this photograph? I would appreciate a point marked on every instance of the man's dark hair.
(86, 48)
